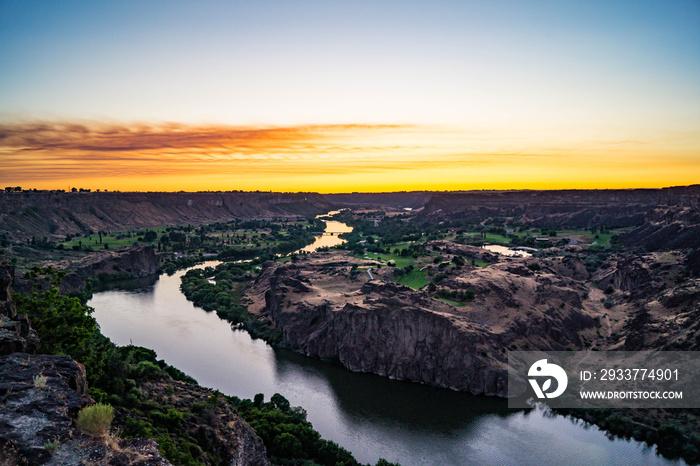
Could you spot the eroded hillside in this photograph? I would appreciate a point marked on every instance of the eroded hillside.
(23, 215)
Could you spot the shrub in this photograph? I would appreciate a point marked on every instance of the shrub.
(51, 446)
(95, 420)
(39, 381)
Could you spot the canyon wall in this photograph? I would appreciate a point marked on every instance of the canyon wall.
(27, 214)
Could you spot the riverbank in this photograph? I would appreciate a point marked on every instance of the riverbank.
(371, 416)
(153, 400)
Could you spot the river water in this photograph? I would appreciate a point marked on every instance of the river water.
(331, 235)
(369, 415)
(506, 251)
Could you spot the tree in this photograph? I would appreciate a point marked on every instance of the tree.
(258, 400)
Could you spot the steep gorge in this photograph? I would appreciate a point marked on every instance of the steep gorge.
(57, 214)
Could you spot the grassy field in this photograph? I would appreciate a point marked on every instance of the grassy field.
(416, 279)
(384, 257)
(113, 240)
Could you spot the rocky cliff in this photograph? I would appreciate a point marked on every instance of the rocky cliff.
(135, 262)
(581, 209)
(323, 310)
(16, 334)
(23, 215)
(323, 307)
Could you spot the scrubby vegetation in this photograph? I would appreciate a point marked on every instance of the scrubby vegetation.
(288, 436)
(214, 290)
(95, 420)
(65, 326)
(644, 425)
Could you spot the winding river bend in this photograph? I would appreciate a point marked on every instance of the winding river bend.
(369, 415)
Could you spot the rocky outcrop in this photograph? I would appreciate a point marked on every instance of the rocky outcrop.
(23, 215)
(34, 414)
(133, 262)
(41, 395)
(16, 333)
(215, 424)
(388, 329)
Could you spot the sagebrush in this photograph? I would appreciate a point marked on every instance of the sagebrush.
(95, 420)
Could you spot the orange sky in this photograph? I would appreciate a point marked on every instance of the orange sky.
(334, 158)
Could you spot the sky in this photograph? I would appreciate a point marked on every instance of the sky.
(334, 96)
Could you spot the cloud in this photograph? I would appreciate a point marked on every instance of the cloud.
(45, 150)
(68, 150)
(47, 154)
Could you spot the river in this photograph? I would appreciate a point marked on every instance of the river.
(330, 236)
(369, 415)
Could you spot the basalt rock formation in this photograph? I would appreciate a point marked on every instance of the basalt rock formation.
(56, 214)
(325, 310)
(324, 307)
(133, 262)
(136, 262)
(16, 334)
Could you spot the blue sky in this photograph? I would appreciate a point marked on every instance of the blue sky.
(544, 75)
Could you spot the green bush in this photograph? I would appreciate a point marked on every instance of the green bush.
(95, 420)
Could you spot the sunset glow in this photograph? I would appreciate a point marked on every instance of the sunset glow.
(373, 97)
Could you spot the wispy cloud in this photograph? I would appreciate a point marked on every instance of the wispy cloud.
(47, 150)
(179, 156)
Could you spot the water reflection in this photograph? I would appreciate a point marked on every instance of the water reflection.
(506, 251)
(330, 235)
(412, 405)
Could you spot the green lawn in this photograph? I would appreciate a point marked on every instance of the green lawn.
(490, 238)
(416, 279)
(400, 261)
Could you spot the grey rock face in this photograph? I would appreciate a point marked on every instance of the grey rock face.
(16, 334)
(388, 329)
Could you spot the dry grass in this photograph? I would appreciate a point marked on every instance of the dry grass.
(39, 381)
(95, 420)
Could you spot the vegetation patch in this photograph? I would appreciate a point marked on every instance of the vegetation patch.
(95, 420)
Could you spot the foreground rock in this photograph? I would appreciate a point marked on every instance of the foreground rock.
(16, 334)
(41, 395)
